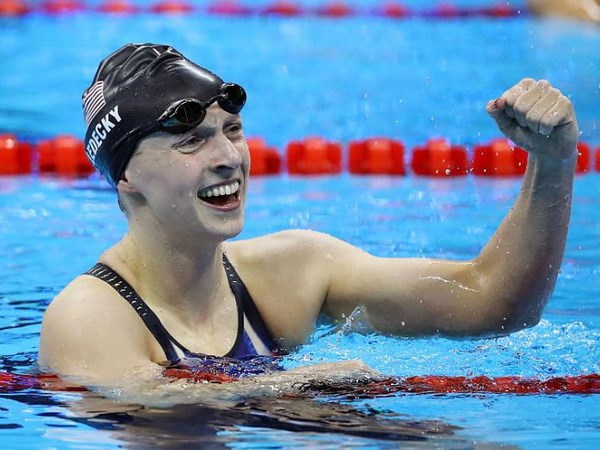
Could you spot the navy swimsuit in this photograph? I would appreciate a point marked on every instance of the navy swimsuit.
(248, 317)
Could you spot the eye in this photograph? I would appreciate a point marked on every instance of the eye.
(234, 130)
(190, 144)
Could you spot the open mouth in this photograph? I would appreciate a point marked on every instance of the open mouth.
(222, 195)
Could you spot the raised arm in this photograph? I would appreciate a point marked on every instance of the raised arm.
(507, 286)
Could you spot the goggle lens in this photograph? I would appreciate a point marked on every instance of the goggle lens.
(189, 113)
(185, 116)
(233, 98)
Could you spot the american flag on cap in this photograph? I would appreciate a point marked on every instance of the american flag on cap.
(93, 101)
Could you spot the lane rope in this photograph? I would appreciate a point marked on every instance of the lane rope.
(277, 8)
(432, 384)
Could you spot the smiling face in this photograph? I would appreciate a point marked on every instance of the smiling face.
(193, 182)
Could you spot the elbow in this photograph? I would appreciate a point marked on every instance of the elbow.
(510, 304)
(508, 317)
(519, 319)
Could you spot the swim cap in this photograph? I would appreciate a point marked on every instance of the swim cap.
(143, 88)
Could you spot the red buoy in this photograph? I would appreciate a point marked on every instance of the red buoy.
(314, 156)
(117, 7)
(196, 376)
(446, 10)
(379, 156)
(265, 160)
(437, 158)
(283, 8)
(499, 158)
(394, 10)
(15, 156)
(13, 8)
(61, 6)
(172, 7)
(228, 8)
(500, 10)
(64, 155)
(583, 158)
(336, 8)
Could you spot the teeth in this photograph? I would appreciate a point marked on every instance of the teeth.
(227, 189)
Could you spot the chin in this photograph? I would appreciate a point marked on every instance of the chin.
(230, 228)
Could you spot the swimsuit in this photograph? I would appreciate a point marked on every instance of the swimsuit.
(248, 319)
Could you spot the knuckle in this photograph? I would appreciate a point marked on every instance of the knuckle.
(520, 105)
(544, 84)
(532, 116)
(554, 92)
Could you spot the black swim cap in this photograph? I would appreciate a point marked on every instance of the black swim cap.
(139, 89)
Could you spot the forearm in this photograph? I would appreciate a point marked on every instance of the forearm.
(519, 265)
(156, 388)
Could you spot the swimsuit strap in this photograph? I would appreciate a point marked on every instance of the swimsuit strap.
(248, 309)
(152, 322)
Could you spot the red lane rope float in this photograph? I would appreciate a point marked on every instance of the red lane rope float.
(208, 376)
(335, 9)
(500, 11)
(499, 158)
(432, 384)
(314, 156)
(229, 8)
(118, 7)
(62, 6)
(583, 158)
(11, 382)
(597, 160)
(265, 160)
(63, 155)
(438, 158)
(282, 8)
(13, 8)
(172, 7)
(15, 157)
(376, 156)
(394, 10)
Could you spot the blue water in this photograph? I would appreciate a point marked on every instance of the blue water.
(342, 79)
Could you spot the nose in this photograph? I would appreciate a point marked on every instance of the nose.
(227, 158)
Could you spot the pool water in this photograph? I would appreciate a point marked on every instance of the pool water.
(410, 80)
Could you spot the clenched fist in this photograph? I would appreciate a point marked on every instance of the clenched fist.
(537, 117)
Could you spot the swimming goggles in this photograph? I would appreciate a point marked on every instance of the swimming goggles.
(186, 114)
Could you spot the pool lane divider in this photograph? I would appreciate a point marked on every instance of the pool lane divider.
(278, 8)
(428, 384)
(64, 155)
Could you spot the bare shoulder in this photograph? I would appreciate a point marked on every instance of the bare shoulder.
(87, 329)
(85, 298)
(289, 276)
(287, 244)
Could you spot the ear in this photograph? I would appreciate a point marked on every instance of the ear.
(125, 186)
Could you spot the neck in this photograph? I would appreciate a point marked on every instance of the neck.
(183, 276)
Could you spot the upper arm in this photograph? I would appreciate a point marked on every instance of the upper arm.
(411, 296)
(295, 276)
(87, 333)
